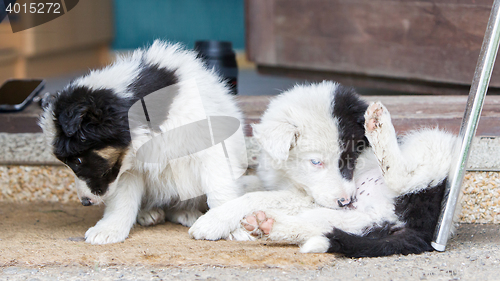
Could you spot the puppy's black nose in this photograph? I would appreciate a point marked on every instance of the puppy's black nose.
(343, 202)
(86, 201)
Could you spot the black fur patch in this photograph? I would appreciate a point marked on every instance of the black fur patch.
(89, 120)
(151, 79)
(349, 110)
(420, 212)
(96, 171)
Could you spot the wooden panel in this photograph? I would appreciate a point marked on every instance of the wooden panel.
(65, 62)
(433, 41)
(260, 40)
(407, 112)
(373, 82)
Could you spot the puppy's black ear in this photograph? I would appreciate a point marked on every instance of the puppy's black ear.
(276, 138)
(71, 119)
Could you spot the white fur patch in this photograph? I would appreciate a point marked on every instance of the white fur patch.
(317, 244)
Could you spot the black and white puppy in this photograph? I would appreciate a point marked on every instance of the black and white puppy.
(335, 163)
(87, 126)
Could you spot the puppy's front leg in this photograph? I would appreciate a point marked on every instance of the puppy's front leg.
(120, 213)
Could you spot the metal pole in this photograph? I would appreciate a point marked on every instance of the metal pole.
(475, 101)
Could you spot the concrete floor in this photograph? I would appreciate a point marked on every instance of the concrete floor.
(43, 241)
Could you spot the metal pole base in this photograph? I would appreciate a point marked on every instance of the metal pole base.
(438, 247)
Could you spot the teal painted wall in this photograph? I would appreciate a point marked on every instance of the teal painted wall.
(139, 22)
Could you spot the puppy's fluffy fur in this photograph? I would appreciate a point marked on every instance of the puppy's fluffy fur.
(322, 144)
(88, 128)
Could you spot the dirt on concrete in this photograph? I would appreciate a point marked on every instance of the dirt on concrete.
(44, 241)
(48, 233)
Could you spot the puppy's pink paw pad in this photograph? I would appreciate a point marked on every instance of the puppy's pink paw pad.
(373, 115)
(266, 226)
(250, 223)
(258, 224)
(371, 124)
(261, 216)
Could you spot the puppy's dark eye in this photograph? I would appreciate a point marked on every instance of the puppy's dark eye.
(75, 162)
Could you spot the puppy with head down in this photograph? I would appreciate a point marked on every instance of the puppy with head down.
(87, 126)
(311, 137)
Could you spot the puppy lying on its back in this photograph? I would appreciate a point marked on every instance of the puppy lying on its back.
(87, 126)
(379, 196)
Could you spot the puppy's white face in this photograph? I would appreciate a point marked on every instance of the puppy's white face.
(312, 136)
(309, 158)
(319, 174)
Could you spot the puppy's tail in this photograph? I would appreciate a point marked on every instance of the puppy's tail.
(384, 240)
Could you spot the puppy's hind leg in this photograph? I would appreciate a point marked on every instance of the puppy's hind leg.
(253, 226)
(219, 222)
(381, 134)
(421, 160)
(151, 217)
(258, 223)
(184, 217)
(275, 225)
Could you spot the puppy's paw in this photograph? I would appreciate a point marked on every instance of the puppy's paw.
(106, 233)
(151, 217)
(213, 226)
(258, 224)
(375, 116)
(184, 217)
(316, 244)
